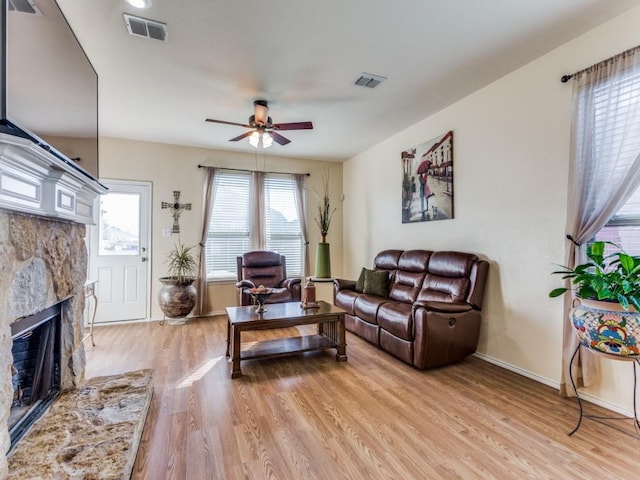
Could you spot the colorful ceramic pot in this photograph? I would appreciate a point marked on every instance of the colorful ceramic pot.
(607, 327)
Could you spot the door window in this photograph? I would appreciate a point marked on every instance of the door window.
(119, 225)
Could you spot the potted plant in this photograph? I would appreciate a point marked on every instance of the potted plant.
(323, 220)
(177, 296)
(607, 299)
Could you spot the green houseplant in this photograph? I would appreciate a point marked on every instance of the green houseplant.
(610, 278)
(607, 300)
(182, 263)
(178, 295)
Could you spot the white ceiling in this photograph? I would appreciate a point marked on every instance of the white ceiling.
(304, 56)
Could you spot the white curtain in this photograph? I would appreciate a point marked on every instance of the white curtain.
(604, 172)
(202, 305)
(300, 189)
(257, 211)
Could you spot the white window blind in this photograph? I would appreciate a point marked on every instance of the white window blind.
(617, 113)
(231, 223)
(229, 228)
(282, 224)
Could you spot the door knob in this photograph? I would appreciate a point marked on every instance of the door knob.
(144, 259)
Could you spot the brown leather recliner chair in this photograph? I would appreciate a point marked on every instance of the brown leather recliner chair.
(266, 268)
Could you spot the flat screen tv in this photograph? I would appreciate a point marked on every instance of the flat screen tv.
(49, 91)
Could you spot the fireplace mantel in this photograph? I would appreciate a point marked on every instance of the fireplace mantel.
(36, 182)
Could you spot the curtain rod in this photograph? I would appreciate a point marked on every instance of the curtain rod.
(244, 170)
(566, 78)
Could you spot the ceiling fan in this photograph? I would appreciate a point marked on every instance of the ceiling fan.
(263, 128)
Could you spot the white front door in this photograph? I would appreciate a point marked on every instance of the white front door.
(119, 246)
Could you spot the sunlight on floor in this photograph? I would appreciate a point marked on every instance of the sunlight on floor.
(200, 372)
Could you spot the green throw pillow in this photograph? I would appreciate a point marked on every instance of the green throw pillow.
(376, 282)
(360, 282)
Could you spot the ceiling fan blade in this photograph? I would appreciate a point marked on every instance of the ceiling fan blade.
(279, 138)
(240, 137)
(293, 126)
(228, 123)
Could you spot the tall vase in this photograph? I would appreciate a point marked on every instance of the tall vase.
(323, 260)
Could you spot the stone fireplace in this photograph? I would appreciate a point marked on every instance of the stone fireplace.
(44, 205)
(35, 373)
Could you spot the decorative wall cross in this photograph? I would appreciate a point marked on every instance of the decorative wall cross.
(176, 209)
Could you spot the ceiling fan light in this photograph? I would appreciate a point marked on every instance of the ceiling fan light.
(254, 139)
(139, 3)
(267, 140)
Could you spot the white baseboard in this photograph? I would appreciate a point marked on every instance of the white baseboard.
(551, 383)
(120, 322)
(147, 320)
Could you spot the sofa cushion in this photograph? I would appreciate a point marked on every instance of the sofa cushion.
(396, 318)
(376, 282)
(406, 285)
(345, 299)
(414, 260)
(444, 289)
(366, 307)
(360, 282)
(280, 295)
(387, 259)
(451, 264)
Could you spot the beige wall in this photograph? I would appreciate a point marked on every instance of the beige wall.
(511, 147)
(172, 167)
(77, 147)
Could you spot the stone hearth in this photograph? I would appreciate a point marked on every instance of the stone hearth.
(92, 432)
(42, 262)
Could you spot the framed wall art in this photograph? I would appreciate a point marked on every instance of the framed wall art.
(427, 180)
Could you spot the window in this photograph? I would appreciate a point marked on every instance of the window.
(624, 227)
(282, 224)
(617, 148)
(231, 227)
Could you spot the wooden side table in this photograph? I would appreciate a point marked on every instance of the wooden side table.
(324, 288)
(90, 292)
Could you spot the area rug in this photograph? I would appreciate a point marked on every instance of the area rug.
(89, 433)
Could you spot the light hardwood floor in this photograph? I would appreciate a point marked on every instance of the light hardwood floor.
(373, 417)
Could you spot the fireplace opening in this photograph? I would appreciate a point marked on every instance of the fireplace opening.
(35, 372)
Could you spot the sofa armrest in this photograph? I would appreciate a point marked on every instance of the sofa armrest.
(245, 284)
(442, 307)
(343, 284)
(290, 282)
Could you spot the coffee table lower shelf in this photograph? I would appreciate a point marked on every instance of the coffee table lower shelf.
(280, 347)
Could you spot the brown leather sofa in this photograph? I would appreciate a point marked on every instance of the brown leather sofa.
(432, 314)
(264, 267)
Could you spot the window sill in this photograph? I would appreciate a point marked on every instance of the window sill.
(221, 281)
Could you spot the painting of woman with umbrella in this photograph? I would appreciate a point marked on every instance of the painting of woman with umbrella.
(431, 163)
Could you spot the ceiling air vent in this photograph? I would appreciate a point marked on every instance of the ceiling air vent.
(141, 27)
(23, 6)
(370, 81)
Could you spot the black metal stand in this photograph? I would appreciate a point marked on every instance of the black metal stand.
(596, 418)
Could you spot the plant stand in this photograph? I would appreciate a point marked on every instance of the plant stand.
(597, 418)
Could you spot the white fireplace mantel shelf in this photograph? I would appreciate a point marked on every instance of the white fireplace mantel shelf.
(37, 182)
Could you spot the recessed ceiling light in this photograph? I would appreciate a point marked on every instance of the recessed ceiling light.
(139, 3)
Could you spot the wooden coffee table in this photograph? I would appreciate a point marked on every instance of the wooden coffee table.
(331, 333)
